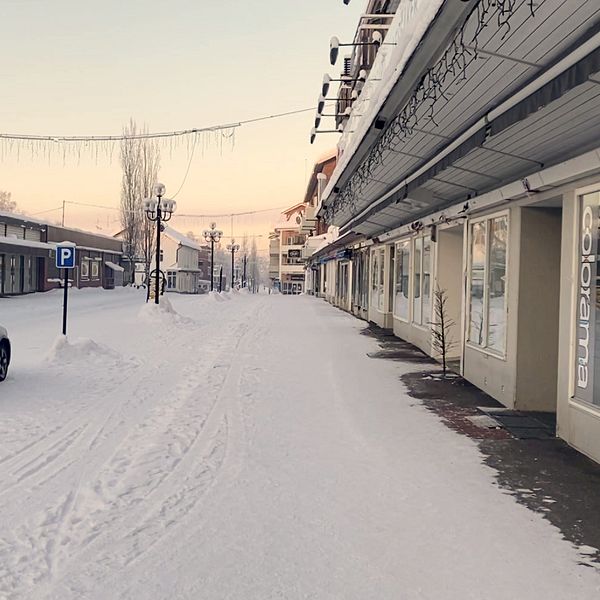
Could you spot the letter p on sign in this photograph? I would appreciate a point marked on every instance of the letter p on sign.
(65, 256)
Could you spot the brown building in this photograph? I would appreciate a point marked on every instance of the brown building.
(28, 253)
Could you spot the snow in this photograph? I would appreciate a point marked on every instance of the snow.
(14, 241)
(178, 237)
(113, 266)
(246, 449)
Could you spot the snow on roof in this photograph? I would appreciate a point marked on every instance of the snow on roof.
(291, 225)
(178, 237)
(328, 155)
(22, 217)
(113, 266)
(406, 32)
(293, 208)
(13, 241)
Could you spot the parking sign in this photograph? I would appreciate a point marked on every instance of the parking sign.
(65, 255)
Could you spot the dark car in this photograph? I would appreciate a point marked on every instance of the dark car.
(4, 353)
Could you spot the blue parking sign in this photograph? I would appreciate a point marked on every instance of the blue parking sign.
(65, 256)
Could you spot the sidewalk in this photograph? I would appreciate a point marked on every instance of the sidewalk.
(541, 471)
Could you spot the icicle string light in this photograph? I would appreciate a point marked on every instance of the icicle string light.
(97, 146)
(421, 107)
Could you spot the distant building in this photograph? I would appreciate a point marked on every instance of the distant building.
(185, 263)
(286, 266)
(28, 254)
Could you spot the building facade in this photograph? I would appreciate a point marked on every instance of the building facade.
(473, 168)
(28, 252)
(185, 263)
(286, 266)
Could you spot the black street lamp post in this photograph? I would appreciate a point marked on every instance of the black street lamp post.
(158, 210)
(212, 236)
(233, 248)
(244, 275)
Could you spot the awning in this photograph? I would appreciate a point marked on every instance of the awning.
(114, 267)
(330, 251)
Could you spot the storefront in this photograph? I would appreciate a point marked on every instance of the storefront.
(22, 266)
(380, 304)
(360, 282)
(579, 354)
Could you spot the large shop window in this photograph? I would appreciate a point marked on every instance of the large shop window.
(422, 281)
(402, 281)
(381, 280)
(488, 262)
(587, 365)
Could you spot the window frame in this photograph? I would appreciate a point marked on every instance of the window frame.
(403, 246)
(425, 320)
(485, 348)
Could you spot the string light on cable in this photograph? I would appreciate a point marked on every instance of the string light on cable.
(35, 146)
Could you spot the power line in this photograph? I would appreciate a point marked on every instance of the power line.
(185, 215)
(239, 214)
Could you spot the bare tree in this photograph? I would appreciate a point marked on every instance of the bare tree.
(441, 326)
(131, 207)
(140, 163)
(7, 204)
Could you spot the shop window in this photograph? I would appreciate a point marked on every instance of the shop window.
(422, 281)
(364, 281)
(374, 276)
(587, 317)
(381, 280)
(487, 283)
(85, 268)
(402, 281)
(95, 270)
(426, 281)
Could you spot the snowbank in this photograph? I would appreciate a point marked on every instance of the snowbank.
(163, 312)
(83, 351)
(219, 296)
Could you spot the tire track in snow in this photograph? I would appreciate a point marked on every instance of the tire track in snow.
(199, 461)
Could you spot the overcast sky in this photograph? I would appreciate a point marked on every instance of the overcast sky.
(70, 67)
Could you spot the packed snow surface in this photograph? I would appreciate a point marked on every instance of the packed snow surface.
(244, 450)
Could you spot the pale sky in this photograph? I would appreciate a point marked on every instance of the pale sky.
(70, 67)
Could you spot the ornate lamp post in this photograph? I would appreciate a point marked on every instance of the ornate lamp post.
(158, 210)
(213, 236)
(233, 248)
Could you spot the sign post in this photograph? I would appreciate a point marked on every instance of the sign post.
(65, 260)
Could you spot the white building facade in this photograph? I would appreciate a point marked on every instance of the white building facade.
(181, 260)
(482, 180)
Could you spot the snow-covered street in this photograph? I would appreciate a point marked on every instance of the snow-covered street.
(244, 447)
